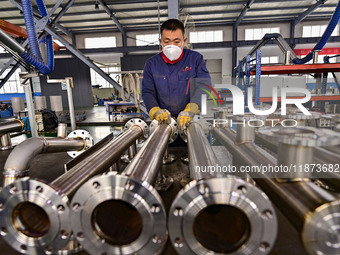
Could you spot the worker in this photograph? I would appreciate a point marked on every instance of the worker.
(172, 79)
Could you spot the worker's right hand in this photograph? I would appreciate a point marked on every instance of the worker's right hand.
(162, 115)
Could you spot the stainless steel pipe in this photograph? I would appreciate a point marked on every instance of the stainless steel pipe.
(11, 126)
(34, 216)
(18, 161)
(217, 213)
(321, 156)
(123, 214)
(311, 210)
(5, 128)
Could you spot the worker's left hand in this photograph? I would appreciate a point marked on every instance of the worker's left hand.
(185, 116)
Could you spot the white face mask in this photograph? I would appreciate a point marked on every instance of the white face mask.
(172, 52)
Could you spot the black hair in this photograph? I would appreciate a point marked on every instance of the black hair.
(172, 24)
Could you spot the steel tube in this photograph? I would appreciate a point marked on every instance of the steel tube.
(200, 153)
(214, 202)
(30, 109)
(123, 214)
(18, 161)
(145, 165)
(320, 156)
(11, 126)
(51, 202)
(97, 163)
(69, 85)
(5, 142)
(306, 205)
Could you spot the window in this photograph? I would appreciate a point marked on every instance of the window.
(320, 59)
(148, 39)
(114, 72)
(13, 84)
(100, 42)
(270, 60)
(206, 36)
(317, 31)
(258, 33)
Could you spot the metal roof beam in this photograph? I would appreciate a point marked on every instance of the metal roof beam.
(244, 12)
(173, 9)
(218, 21)
(86, 13)
(115, 20)
(112, 15)
(312, 8)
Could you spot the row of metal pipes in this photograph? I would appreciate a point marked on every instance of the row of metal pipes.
(216, 213)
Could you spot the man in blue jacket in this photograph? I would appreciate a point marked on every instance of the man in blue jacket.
(172, 78)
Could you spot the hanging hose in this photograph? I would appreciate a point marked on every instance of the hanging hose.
(324, 39)
(129, 84)
(34, 57)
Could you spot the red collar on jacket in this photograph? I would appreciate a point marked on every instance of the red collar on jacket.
(169, 61)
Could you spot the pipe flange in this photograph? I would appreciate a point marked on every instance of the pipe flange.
(230, 192)
(174, 130)
(141, 198)
(86, 136)
(261, 107)
(34, 217)
(336, 119)
(321, 231)
(140, 123)
(227, 109)
(297, 115)
(223, 112)
(302, 136)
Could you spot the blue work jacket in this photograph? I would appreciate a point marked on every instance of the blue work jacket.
(173, 86)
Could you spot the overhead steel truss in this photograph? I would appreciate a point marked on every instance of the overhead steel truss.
(41, 24)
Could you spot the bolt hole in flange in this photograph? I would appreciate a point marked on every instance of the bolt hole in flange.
(222, 228)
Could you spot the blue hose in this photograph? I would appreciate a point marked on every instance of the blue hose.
(34, 57)
(324, 39)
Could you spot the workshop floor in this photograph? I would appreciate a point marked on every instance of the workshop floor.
(288, 240)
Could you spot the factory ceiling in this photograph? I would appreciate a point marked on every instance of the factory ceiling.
(83, 16)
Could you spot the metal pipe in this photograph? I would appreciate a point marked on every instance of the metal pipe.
(144, 167)
(11, 43)
(320, 156)
(5, 142)
(19, 160)
(39, 212)
(99, 162)
(11, 126)
(62, 130)
(307, 206)
(214, 202)
(69, 86)
(124, 214)
(30, 109)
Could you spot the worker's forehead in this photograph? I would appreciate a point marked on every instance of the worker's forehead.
(172, 34)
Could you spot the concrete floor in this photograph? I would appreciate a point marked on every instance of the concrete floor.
(50, 166)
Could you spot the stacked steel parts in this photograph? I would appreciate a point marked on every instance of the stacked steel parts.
(217, 213)
(34, 216)
(123, 214)
(312, 210)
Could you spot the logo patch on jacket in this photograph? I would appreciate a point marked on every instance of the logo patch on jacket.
(186, 69)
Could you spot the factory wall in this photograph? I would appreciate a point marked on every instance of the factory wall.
(82, 91)
(223, 54)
